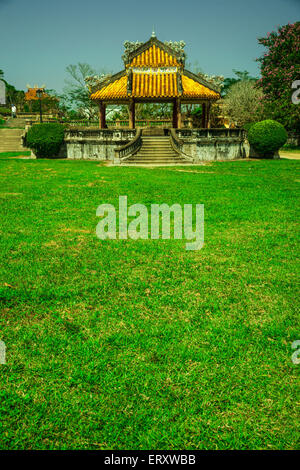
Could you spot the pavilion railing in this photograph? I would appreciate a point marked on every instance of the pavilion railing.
(177, 145)
(127, 150)
(118, 123)
(211, 133)
(146, 123)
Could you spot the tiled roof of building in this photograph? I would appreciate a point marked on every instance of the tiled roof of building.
(193, 89)
(154, 57)
(154, 85)
(30, 94)
(116, 89)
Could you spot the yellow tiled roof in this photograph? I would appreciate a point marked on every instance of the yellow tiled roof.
(193, 89)
(154, 57)
(154, 85)
(30, 94)
(116, 89)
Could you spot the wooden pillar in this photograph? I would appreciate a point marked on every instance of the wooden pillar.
(177, 114)
(178, 106)
(208, 116)
(102, 119)
(174, 121)
(203, 115)
(132, 114)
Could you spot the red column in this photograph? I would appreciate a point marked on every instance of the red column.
(203, 115)
(175, 120)
(102, 120)
(208, 116)
(132, 114)
(179, 124)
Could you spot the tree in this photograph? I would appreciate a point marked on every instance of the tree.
(279, 69)
(242, 103)
(76, 94)
(240, 76)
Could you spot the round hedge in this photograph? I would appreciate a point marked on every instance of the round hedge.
(45, 139)
(267, 137)
(248, 125)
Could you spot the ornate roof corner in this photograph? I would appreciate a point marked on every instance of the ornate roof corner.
(94, 82)
(179, 83)
(130, 46)
(129, 82)
(178, 48)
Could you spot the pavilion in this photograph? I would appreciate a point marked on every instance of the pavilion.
(155, 72)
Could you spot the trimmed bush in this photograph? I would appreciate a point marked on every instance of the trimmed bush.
(248, 125)
(5, 111)
(267, 137)
(2, 121)
(45, 139)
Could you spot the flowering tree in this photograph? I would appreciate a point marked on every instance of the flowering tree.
(242, 103)
(280, 67)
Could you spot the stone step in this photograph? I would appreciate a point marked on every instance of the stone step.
(159, 141)
(156, 150)
(13, 148)
(153, 160)
(157, 154)
(10, 136)
(11, 140)
(159, 163)
(149, 157)
(156, 146)
(16, 122)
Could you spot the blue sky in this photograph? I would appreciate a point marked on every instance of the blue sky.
(38, 39)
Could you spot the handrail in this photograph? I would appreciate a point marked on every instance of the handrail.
(177, 145)
(129, 149)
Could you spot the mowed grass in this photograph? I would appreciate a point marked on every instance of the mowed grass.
(142, 344)
(15, 154)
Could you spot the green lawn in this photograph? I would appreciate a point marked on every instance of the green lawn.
(15, 154)
(142, 344)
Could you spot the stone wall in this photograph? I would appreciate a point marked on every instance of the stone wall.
(213, 144)
(200, 144)
(96, 144)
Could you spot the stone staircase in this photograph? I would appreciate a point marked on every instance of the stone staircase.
(11, 135)
(156, 150)
(16, 122)
(11, 140)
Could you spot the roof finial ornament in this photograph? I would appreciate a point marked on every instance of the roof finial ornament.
(153, 35)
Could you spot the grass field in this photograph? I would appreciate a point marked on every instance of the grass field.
(15, 154)
(142, 344)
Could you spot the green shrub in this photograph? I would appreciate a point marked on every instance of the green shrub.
(267, 137)
(5, 111)
(2, 121)
(45, 139)
(248, 125)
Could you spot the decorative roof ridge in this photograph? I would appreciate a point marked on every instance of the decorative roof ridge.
(111, 79)
(144, 46)
(200, 80)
